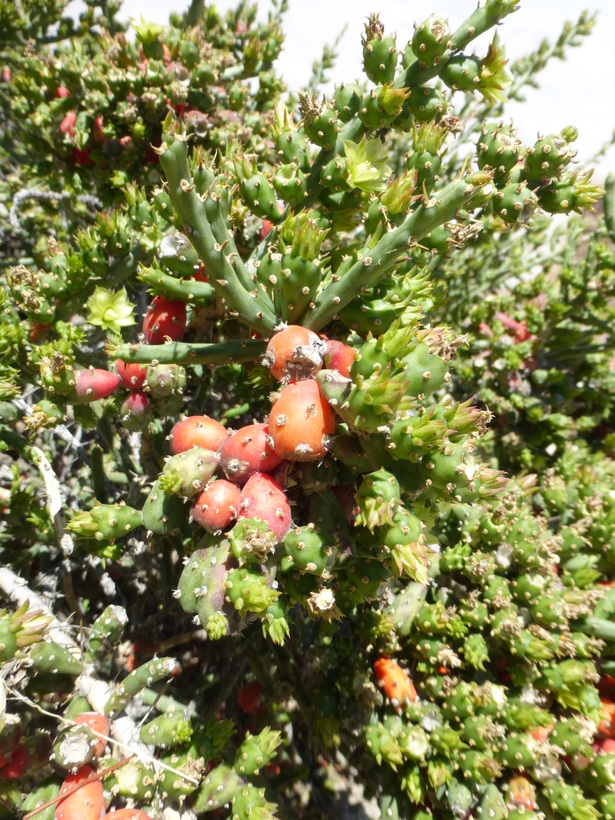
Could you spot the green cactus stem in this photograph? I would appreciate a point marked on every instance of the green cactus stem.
(105, 632)
(229, 276)
(105, 522)
(374, 262)
(143, 676)
(183, 353)
(190, 291)
(481, 20)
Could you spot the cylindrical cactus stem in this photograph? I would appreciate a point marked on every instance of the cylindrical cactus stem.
(105, 632)
(105, 522)
(257, 751)
(190, 291)
(481, 20)
(374, 262)
(598, 627)
(167, 730)
(183, 353)
(48, 656)
(230, 278)
(143, 676)
(220, 785)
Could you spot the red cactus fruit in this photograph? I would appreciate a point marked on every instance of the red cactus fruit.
(606, 727)
(37, 329)
(18, 764)
(265, 228)
(87, 803)
(262, 498)
(136, 404)
(201, 274)
(67, 126)
(95, 384)
(61, 92)
(300, 422)
(248, 451)
(395, 683)
(294, 353)
(164, 319)
(339, 356)
(217, 505)
(197, 431)
(128, 814)
(249, 697)
(132, 375)
(100, 725)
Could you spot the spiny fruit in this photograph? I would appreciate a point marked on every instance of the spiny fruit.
(94, 384)
(294, 353)
(263, 498)
(197, 431)
(164, 319)
(395, 683)
(248, 451)
(132, 375)
(301, 422)
(87, 803)
(217, 505)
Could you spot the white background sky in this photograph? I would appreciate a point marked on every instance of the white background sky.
(580, 91)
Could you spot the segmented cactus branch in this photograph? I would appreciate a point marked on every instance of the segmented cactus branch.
(184, 353)
(374, 262)
(229, 276)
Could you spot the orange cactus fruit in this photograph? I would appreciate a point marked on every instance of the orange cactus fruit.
(394, 682)
(300, 422)
(294, 353)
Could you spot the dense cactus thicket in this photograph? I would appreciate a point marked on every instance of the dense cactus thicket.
(306, 428)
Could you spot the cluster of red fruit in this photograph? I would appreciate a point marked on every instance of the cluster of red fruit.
(252, 458)
(165, 320)
(81, 795)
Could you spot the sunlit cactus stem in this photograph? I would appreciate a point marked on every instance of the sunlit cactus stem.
(184, 353)
(229, 276)
(374, 262)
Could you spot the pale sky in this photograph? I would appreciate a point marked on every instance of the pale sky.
(577, 92)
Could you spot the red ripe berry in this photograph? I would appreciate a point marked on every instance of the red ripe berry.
(37, 330)
(606, 727)
(339, 356)
(294, 353)
(61, 92)
(132, 375)
(100, 725)
(249, 697)
(136, 404)
(197, 431)
(95, 384)
(164, 319)
(217, 506)
(395, 683)
(18, 764)
(87, 803)
(262, 498)
(300, 422)
(248, 451)
(67, 126)
(265, 228)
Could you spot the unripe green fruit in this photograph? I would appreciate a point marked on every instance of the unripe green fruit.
(515, 203)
